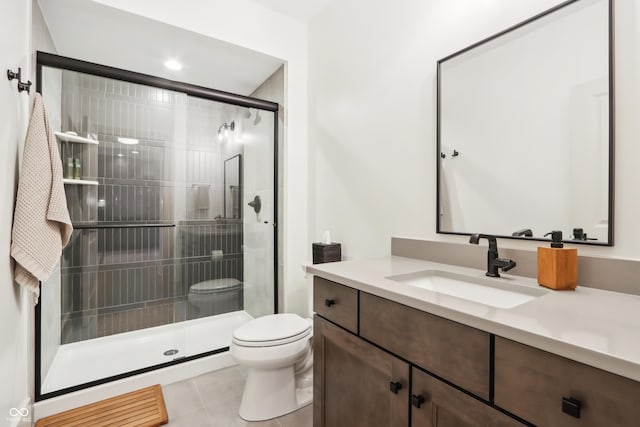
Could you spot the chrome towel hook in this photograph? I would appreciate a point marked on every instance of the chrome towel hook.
(22, 86)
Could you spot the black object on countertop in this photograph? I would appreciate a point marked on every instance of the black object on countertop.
(326, 252)
(525, 232)
(493, 261)
(556, 238)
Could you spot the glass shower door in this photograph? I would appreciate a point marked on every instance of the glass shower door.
(228, 270)
(116, 282)
(167, 257)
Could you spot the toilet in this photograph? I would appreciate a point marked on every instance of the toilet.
(277, 350)
(215, 296)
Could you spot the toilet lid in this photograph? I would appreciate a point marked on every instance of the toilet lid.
(275, 329)
(209, 286)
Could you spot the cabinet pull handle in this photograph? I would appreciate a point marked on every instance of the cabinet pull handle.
(329, 302)
(395, 387)
(571, 406)
(417, 401)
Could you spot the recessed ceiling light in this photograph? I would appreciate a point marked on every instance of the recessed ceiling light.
(172, 64)
(128, 141)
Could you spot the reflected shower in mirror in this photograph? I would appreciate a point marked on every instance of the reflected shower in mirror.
(524, 129)
(233, 187)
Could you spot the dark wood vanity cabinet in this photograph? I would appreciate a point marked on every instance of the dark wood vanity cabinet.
(355, 383)
(366, 350)
(436, 404)
(381, 363)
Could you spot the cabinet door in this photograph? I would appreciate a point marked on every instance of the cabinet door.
(436, 404)
(552, 391)
(355, 383)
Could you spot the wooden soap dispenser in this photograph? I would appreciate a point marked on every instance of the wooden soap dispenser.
(557, 265)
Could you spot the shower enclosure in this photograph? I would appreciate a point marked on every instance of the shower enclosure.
(167, 257)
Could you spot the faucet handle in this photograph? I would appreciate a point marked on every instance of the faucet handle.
(505, 264)
(493, 243)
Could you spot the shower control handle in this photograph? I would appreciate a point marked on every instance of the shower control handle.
(256, 204)
(329, 302)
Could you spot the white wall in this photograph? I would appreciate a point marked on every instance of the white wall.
(51, 289)
(252, 26)
(372, 116)
(16, 308)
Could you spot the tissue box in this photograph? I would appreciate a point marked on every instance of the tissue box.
(326, 252)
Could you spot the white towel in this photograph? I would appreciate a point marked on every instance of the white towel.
(202, 196)
(41, 223)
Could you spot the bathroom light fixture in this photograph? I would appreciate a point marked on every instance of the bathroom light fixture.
(225, 129)
(172, 64)
(128, 141)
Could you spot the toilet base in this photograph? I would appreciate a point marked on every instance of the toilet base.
(272, 393)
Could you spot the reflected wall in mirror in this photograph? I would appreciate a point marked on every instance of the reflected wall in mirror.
(233, 187)
(525, 129)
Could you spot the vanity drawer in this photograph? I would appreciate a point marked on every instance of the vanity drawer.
(455, 352)
(336, 302)
(532, 384)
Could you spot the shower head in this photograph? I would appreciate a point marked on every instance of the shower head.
(225, 129)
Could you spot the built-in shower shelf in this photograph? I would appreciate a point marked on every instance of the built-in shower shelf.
(67, 137)
(79, 181)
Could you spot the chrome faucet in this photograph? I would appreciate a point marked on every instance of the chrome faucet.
(493, 261)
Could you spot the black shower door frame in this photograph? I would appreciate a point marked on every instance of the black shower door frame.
(44, 59)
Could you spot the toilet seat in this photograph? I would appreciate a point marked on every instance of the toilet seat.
(272, 343)
(272, 330)
(215, 286)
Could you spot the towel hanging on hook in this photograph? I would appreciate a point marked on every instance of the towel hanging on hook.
(22, 86)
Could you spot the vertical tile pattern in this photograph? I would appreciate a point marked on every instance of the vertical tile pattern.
(117, 280)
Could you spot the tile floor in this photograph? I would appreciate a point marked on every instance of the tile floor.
(212, 400)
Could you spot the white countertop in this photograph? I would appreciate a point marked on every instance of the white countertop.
(595, 327)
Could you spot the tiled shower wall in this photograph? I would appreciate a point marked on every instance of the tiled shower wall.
(128, 277)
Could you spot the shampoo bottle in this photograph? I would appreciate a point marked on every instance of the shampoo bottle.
(557, 265)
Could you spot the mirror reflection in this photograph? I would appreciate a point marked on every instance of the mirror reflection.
(524, 136)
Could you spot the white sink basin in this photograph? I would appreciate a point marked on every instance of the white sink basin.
(483, 290)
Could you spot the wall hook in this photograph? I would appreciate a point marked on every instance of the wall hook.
(455, 153)
(22, 86)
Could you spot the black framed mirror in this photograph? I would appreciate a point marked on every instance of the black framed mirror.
(233, 187)
(525, 132)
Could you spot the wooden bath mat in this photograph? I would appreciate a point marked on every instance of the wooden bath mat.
(140, 408)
